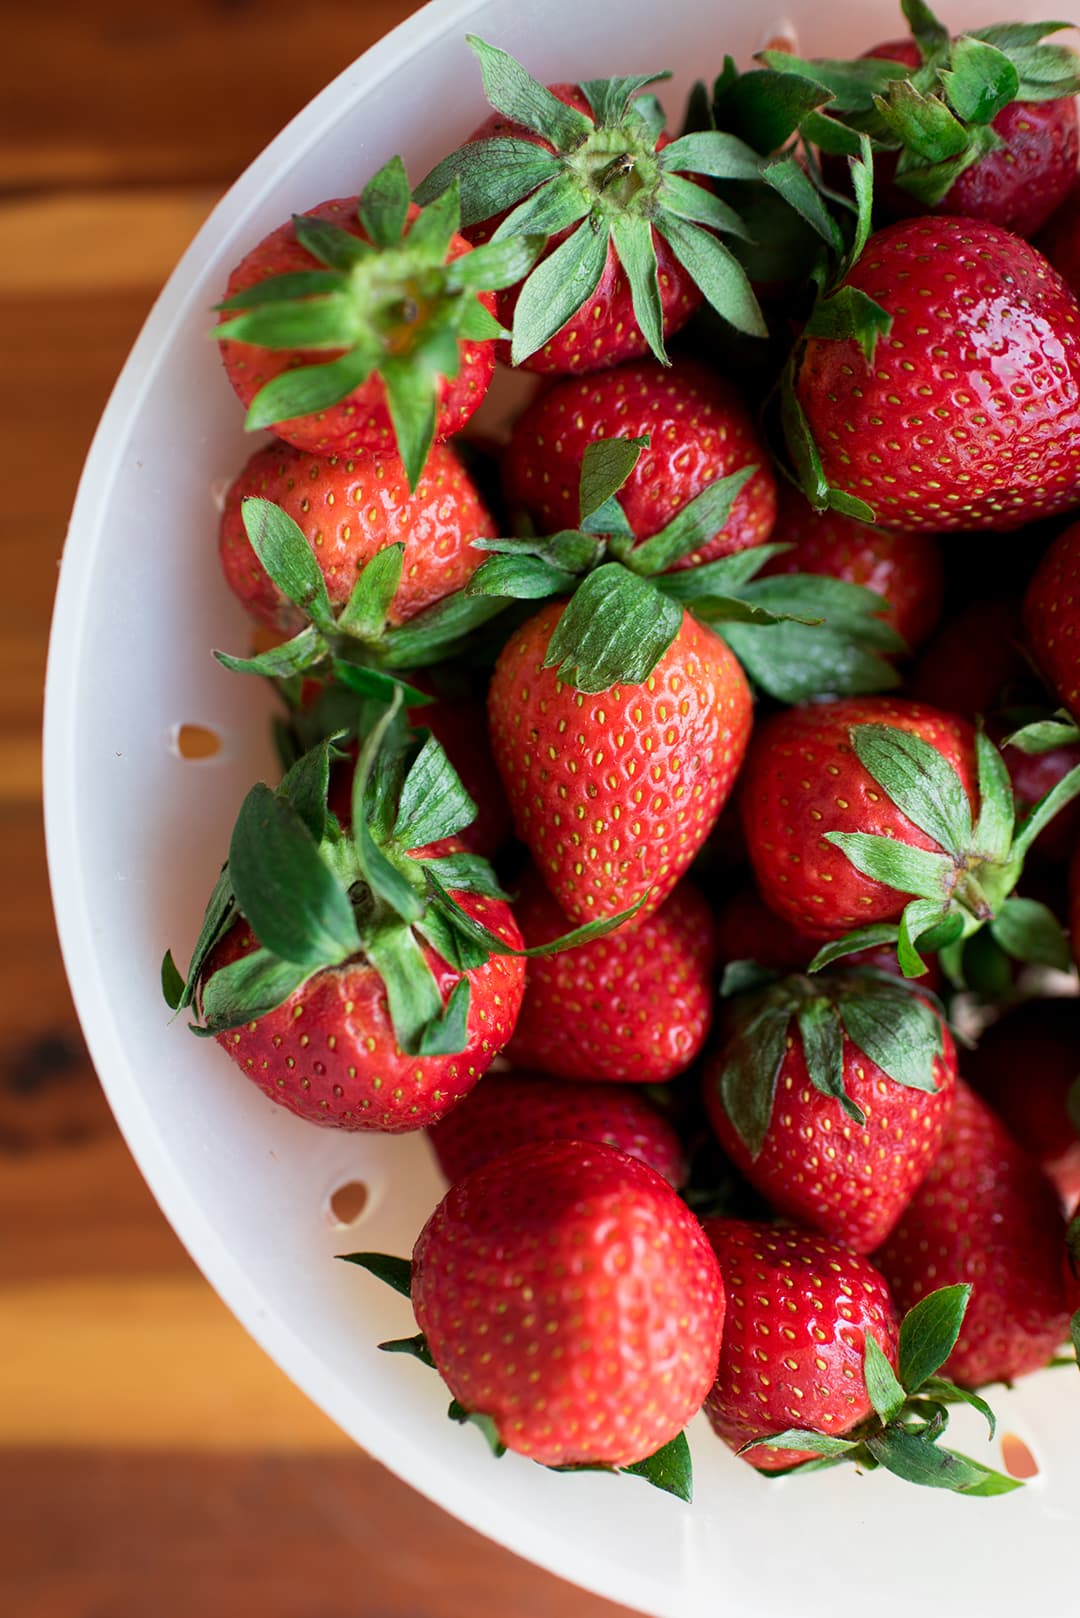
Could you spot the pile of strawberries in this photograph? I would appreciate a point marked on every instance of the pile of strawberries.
(678, 793)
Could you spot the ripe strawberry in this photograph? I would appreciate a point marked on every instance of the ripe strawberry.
(864, 814)
(699, 431)
(366, 320)
(349, 508)
(1060, 240)
(924, 431)
(985, 1213)
(615, 792)
(633, 1006)
(1052, 618)
(800, 1310)
(622, 208)
(362, 977)
(1019, 164)
(803, 779)
(1026, 1067)
(831, 1095)
(512, 1109)
(569, 1296)
(972, 659)
(904, 569)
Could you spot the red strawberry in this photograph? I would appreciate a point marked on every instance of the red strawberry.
(349, 507)
(985, 1214)
(1052, 618)
(626, 260)
(329, 1052)
(615, 792)
(699, 431)
(800, 1310)
(358, 327)
(635, 1005)
(1032, 776)
(568, 1295)
(1060, 241)
(1026, 1065)
(512, 1109)
(804, 779)
(1017, 182)
(904, 569)
(831, 1095)
(968, 415)
(972, 659)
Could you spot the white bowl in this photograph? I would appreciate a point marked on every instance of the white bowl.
(136, 833)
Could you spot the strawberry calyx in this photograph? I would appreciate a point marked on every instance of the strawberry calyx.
(355, 644)
(626, 608)
(669, 1468)
(969, 883)
(391, 301)
(610, 181)
(316, 894)
(911, 1409)
(898, 1030)
(1045, 734)
(938, 116)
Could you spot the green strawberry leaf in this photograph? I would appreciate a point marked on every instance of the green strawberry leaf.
(909, 870)
(1012, 36)
(928, 1334)
(886, 1395)
(669, 1468)
(981, 80)
(558, 287)
(605, 467)
(330, 244)
(307, 782)
(850, 313)
(688, 200)
(552, 207)
(919, 781)
(943, 1392)
(927, 924)
(1074, 1334)
(787, 177)
(448, 1033)
(294, 283)
(521, 98)
(993, 832)
(396, 1272)
(466, 873)
(1045, 735)
(614, 631)
(869, 937)
(327, 321)
(492, 175)
(849, 609)
(801, 1438)
(715, 269)
(438, 633)
(412, 388)
(823, 1047)
(698, 523)
(416, 1346)
(931, 36)
(411, 990)
(290, 898)
(922, 124)
(494, 945)
(721, 579)
(796, 662)
(284, 552)
(485, 1424)
(364, 614)
(632, 237)
(434, 803)
(918, 1459)
(853, 84)
(384, 204)
(520, 578)
(897, 1031)
(246, 990)
(753, 1057)
(172, 982)
(1044, 811)
(1029, 931)
(711, 152)
(766, 108)
(217, 919)
(304, 651)
(307, 389)
(610, 98)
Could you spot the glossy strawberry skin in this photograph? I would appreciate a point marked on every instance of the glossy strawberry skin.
(634, 1006)
(819, 1167)
(905, 569)
(1024, 1066)
(1052, 618)
(969, 415)
(350, 507)
(512, 1109)
(799, 1309)
(605, 330)
(986, 1214)
(1018, 185)
(803, 779)
(567, 1292)
(615, 793)
(699, 431)
(329, 1053)
(362, 419)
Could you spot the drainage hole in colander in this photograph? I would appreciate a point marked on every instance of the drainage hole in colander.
(196, 741)
(1016, 1458)
(347, 1203)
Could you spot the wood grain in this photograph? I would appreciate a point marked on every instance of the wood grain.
(152, 1459)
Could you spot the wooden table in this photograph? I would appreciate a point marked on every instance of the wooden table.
(152, 1460)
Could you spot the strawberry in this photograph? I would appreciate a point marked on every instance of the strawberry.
(977, 126)
(512, 1109)
(986, 1214)
(636, 1005)
(903, 569)
(627, 216)
(800, 1310)
(363, 978)
(366, 321)
(831, 1095)
(894, 819)
(572, 1304)
(615, 792)
(349, 508)
(910, 416)
(1052, 618)
(813, 1370)
(698, 429)
(1072, 1278)
(1025, 1066)
(972, 658)
(1060, 240)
